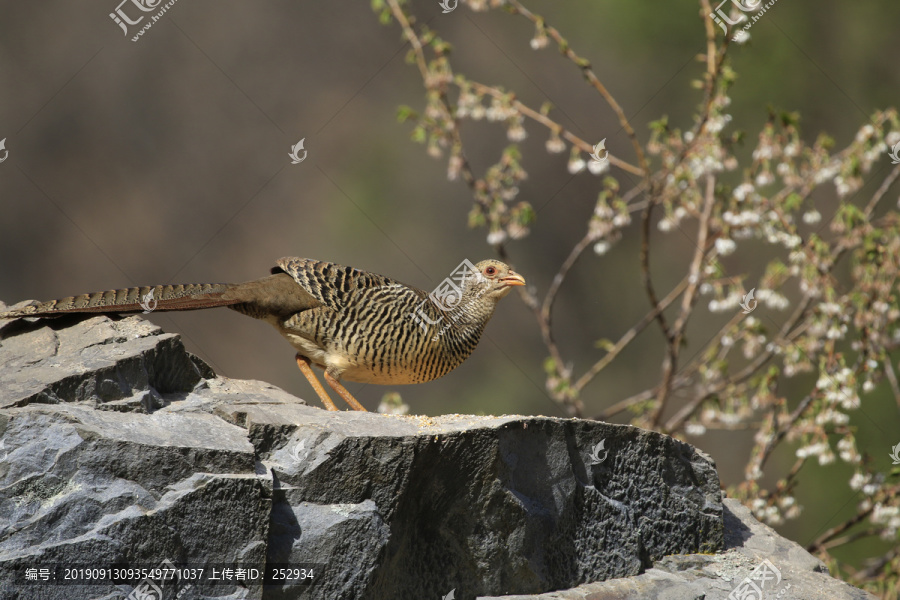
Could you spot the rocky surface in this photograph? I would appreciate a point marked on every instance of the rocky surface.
(757, 564)
(117, 447)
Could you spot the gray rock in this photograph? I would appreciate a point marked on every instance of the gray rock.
(118, 446)
(94, 361)
(755, 557)
(483, 504)
(80, 486)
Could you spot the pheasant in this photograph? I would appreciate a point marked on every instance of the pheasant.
(355, 325)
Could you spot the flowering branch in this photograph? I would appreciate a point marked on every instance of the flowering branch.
(839, 274)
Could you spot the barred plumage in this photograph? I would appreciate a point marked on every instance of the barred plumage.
(355, 325)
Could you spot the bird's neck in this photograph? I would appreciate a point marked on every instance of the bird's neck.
(465, 321)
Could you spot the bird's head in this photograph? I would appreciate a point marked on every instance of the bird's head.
(494, 280)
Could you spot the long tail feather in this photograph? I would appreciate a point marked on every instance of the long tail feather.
(136, 299)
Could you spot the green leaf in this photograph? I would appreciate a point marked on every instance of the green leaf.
(850, 215)
(790, 119)
(476, 217)
(526, 215)
(550, 366)
(605, 344)
(792, 202)
(660, 125)
(404, 113)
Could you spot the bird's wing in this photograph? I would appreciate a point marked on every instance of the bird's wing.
(333, 284)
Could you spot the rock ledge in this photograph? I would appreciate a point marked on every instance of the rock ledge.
(119, 447)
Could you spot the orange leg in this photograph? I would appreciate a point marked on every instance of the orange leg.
(307, 371)
(340, 389)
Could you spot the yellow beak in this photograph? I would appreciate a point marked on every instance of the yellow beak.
(513, 279)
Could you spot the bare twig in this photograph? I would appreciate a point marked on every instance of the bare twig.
(591, 77)
(882, 190)
(560, 276)
(819, 542)
(553, 126)
(625, 404)
(875, 566)
(676, 335)
(714, 62)
(629, 335)
(892, 378)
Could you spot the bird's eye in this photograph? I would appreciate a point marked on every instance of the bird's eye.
(490, 271)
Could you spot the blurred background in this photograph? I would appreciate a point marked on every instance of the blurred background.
(165, 160)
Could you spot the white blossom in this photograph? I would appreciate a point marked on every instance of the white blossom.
(742, 191)
(830, 308)
(496, 237)
(812, 450)
(859, 480)
(728, 303)
(812, 216)
(826, 458)
(725, 246)
(772, 299)
(716, 124)
(598, 167)
(539, 41)
(889, 516)
(870, 489)
(576, 165)
(762, 152)
(622, 219)
(694, 429)
(516, 133)
(836, 331)
(764, 178)
(555, 145)
(865, 133)
(847, 450)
